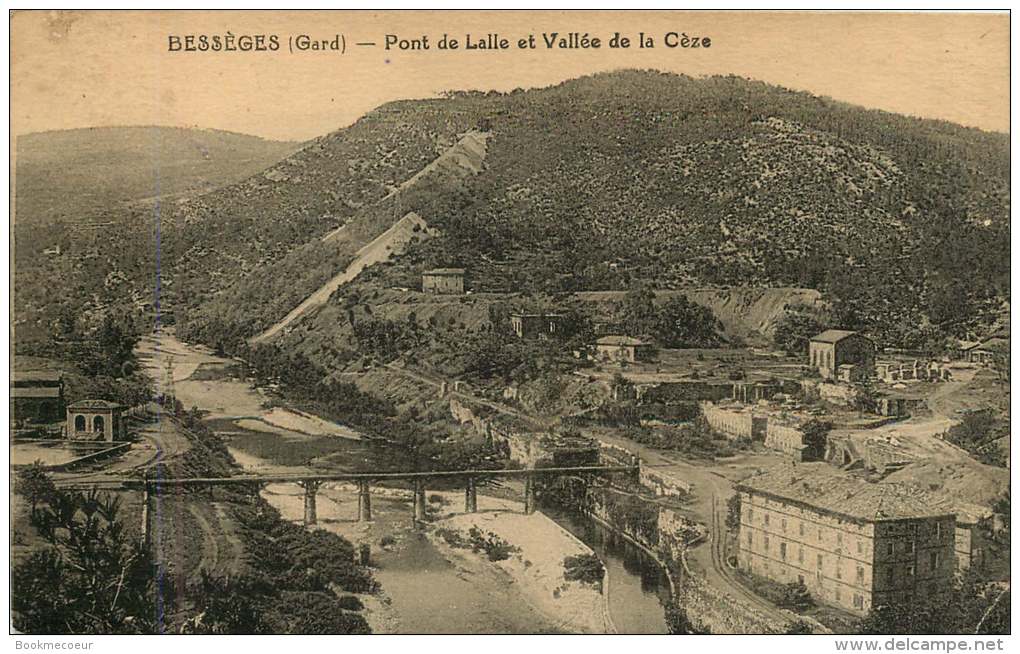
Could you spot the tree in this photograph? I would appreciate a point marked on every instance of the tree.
(796, 597)
(974, 605)
(799, 627)
(679, 623)
(815, 433)
(794, 330)
(733, 512)
(92, 579)
(682, 323)
(35, 485)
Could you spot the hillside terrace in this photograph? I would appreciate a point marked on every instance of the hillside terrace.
(709, 365)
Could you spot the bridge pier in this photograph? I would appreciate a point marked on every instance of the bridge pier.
(419, 501)
(470, 496)
(364, 502)
(530, 497)
(311, 488)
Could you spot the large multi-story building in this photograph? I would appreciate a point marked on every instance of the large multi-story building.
(853, 544)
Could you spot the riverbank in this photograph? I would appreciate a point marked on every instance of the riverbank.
(426, 587)
(429, 587)
(535, 569)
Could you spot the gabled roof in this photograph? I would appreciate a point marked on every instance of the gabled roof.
(847, 496)
(35, 392)
(94, 404)
(995, 344)
(445, 271)
(53, 376)
(620, 340)
(832, 336)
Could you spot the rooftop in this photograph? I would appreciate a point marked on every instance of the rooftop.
(620, 340)
(832, 336)
(35, 392)
(995, 344)
(94, 404)
(52, 376)
(445, 271)
(847, 496)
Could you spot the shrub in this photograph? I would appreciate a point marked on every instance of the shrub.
(585, 568)
(350, 603)
(495, 548)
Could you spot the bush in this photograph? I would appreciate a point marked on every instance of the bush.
(33, 484)
(350, 603)
(585, 568)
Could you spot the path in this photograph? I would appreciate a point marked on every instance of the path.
(391, 242)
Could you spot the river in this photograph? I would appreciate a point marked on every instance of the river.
(636, 581)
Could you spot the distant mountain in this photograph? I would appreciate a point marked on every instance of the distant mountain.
(623, 178)
(603, 183)
(85, 200)
(79, 173)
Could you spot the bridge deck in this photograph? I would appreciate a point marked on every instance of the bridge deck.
(370, 476)
(377, 476)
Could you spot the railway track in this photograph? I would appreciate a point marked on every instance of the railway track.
(717, 542)
(718, 545)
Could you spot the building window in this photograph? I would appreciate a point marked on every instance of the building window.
(860, 547)
(913, 547)
(800, 555)
(750, 514)
(800, 578)
(938, 531)
(839, 570)
(766, 543)
(839, 597)
(819, 560)
(890, 548)
(890, 576)
(750, 538)
(782, 551)
(860, 574)
(934, 560)
(910, 570)
(79, 423)
(766, 518)
(858, 601)
(839, 539)
(800, 528)
(819, 534)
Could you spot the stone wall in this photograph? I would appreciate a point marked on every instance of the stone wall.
(728, 422)
(785, 438)
(665, 484)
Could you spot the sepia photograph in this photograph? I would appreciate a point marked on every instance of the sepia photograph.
(510, 323)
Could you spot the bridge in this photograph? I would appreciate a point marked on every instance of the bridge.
(311, 482)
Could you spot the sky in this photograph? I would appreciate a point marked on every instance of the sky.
(102, 68)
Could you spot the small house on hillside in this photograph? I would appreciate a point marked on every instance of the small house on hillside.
(37, 396)
(837, 347)
(443, 281)
(537, 325)
(623, 348)
(95, 420)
